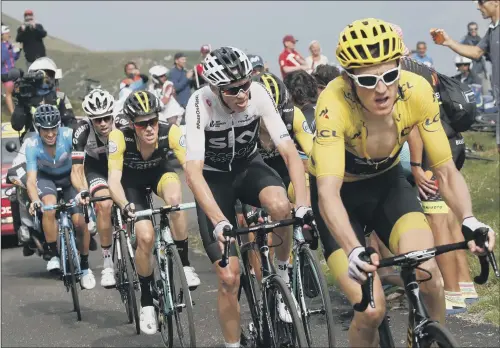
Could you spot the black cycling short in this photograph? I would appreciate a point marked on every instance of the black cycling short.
(374, 204)
(48, 184)
(244, 184)
(96, 174)
(135, 182)
(434, 204)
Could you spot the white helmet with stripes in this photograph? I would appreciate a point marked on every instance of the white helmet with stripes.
(226, 65)
(98, 103)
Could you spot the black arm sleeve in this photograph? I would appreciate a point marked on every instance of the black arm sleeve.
(80, 137)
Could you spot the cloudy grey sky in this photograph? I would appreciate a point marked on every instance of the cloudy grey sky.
(257, 27)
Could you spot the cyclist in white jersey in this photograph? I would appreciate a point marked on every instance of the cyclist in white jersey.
(223, 164)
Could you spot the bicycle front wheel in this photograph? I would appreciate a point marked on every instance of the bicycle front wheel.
(181, 297)
(311, 291)
(71, 264)
(278, 333)
(436, 335)
(129, 282)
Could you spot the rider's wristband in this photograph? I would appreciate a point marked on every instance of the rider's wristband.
(415, 164)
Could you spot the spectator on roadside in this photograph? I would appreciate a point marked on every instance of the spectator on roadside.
(421, 54)
(316, 58)
(10, 53)
(181, 79)
(134, 80)
(478, 66)
(324, 74)
(291, 60)
(164, 90)
(198, 80)
(466, 75)
(489, 44)
(31, 35)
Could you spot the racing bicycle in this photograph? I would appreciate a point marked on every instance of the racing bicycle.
(70, 261)
(422, 331)
(266, 329)
(170, 290)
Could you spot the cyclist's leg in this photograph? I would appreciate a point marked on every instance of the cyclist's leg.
(98, 187)
(169, 188)
(363, 331)
(144, 232)
(260, 185)
(401, 224)
(47, 192)
(228, 308)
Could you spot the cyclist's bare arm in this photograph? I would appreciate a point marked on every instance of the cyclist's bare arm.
(116, 188)
(78, 179)
(334, 213)
(201, 191)
(295, 168)
(416, 146)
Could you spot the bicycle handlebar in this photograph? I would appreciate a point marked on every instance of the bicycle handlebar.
(415, 258)
(92, 200)
(265, 227)
(165, 209)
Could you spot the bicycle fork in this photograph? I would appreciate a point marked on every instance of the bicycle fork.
(164, 239)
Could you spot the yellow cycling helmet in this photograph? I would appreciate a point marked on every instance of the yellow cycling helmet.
(367, 42)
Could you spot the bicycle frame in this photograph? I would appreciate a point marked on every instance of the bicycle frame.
(418, 315)
(298, 241)
(65, 222)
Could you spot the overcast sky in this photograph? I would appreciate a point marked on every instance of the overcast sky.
(257, 27)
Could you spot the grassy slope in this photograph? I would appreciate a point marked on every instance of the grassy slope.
(78, 63)
(483, 180)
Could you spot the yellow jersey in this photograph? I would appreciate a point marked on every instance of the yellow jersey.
(339, 147)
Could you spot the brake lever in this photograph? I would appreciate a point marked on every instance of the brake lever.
(367, 287)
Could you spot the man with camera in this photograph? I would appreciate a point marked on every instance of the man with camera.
(38, 86)
(31, 35)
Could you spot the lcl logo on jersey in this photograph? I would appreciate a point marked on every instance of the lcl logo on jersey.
(244, 138)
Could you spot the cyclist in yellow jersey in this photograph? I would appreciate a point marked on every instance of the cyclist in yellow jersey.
(363, 119)
(138, 158)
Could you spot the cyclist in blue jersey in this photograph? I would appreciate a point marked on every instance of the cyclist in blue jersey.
(48, 166)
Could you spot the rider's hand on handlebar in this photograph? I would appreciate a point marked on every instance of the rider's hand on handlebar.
(302, 211)
(218, 229)
(471, 224)
(129, 210)
(83, 197)
(358, 268)
(34, 206)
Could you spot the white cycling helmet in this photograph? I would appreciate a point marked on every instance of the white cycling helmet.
(158, 71)
(226, 65)
(462, 60)
(98, 103)
(45, 63)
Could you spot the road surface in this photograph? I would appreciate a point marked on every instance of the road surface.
(37, 311)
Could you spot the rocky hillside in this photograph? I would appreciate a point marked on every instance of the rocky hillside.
(78, 63)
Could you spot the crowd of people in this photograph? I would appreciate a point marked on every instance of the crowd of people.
(321, 140)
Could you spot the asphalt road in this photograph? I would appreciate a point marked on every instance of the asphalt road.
(37, 311)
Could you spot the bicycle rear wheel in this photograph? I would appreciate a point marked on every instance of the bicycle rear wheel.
(311, 291)
(436, 335)
(129, 282)
(181, 297)
(72, 281)
(276, 332)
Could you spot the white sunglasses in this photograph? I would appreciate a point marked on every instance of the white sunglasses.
(371, 81)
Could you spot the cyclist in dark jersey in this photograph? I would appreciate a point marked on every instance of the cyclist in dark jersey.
(303, 90)
(138, 158)
(89, 171)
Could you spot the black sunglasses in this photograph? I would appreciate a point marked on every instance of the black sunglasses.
(234, 91)
(99, 120)
(144, 124)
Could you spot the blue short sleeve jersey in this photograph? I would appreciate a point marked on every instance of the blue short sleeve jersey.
(37, 159)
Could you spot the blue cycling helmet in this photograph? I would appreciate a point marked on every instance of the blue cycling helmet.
(47, 116)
